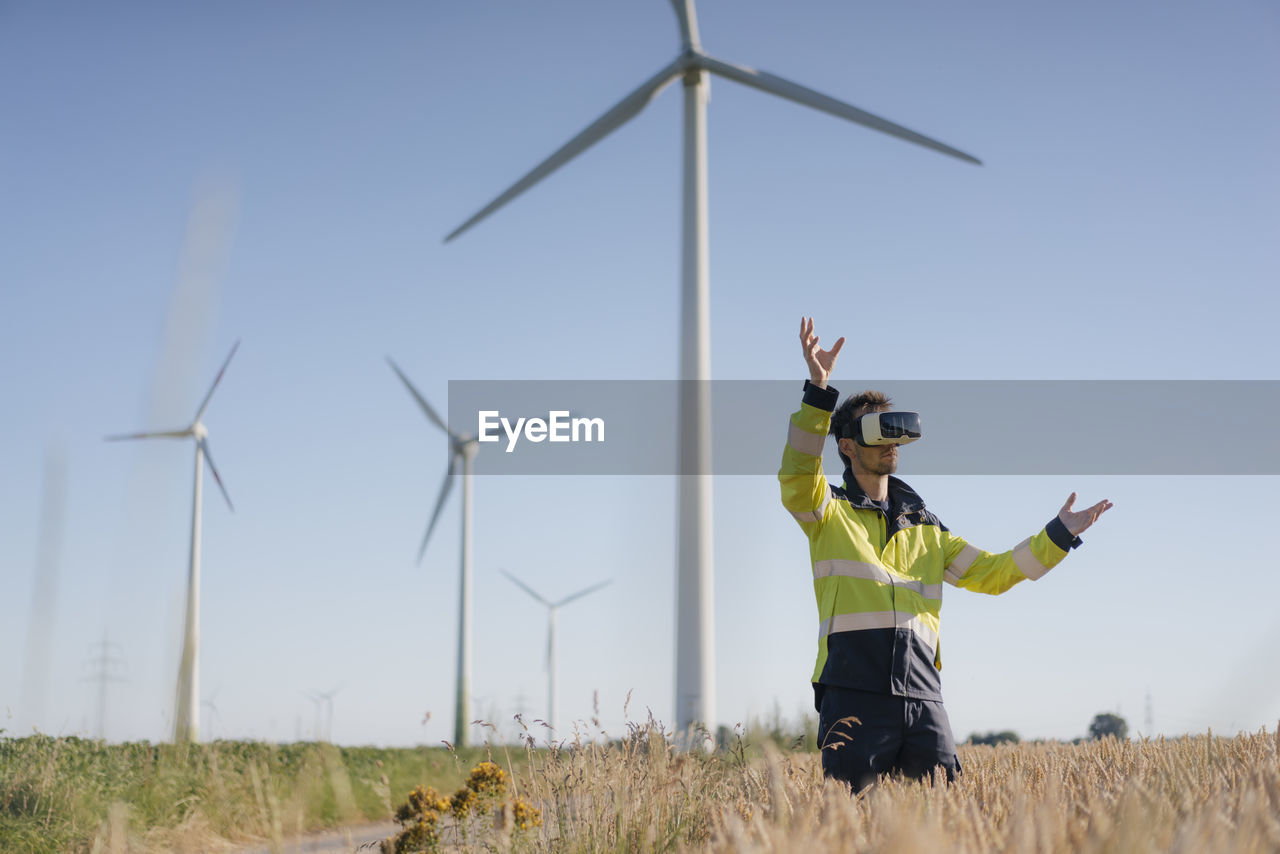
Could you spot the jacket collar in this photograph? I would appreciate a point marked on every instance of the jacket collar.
(902, 498)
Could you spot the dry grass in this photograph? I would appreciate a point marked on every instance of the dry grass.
(1192, 794)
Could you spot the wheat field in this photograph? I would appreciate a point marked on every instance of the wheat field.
(1192, 794)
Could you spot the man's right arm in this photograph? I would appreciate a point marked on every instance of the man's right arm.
(805, 491)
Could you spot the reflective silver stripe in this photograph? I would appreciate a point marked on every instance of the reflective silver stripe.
(814, 515)
(1027, 562)
(961, 564)
(871, 572)
(879, 620)
(928, 591)
(804, 441)
(851, 569)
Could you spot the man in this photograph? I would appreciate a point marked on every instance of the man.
(879, 562)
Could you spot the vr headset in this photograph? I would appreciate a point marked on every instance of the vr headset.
(885, 428)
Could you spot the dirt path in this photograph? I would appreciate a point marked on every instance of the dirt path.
(346, 839)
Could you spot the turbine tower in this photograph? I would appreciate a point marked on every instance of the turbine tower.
(695, 629)
(210, 703)
(186, 724)
(552, 607)
(461, 448)
(324, 712)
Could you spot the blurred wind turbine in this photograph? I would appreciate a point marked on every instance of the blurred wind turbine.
(208, 703)
(44, 590)
(186, 726)
(193, 303)
(460, 448)
(326, 697)
(695, 628)
(552, 607)
(318, 702)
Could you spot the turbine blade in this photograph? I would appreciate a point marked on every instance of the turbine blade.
(688, 18)
(618, 115)
(167, 434)
(205, 250)
(547, 666)
(204, 403)
(526, 588)
(581, 593)
(208, 458)
(422, 401)
(775, 85)
(444, 493)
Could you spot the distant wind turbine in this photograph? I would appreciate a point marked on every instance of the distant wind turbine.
(695, 628)
(318, 702)
(210, 704)
(461, 448)
(186, 726)
(552, 607)
(42, 616)
(325, 698)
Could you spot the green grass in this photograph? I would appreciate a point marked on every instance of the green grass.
(75, 794)
(83, 795)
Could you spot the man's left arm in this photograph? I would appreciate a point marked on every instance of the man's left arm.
(973, 569)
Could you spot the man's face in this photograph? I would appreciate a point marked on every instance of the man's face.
(878, 460)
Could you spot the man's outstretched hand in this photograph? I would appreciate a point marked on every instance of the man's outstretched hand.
(820, 362)
(1078, 521)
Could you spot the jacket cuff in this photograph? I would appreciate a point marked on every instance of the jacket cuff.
(1062, 538)
(820, 398)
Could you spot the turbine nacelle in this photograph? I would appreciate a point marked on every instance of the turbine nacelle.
(196, 430)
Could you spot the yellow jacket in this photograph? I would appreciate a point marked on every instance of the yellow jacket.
(878, 578)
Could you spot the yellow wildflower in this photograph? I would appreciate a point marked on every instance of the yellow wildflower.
(525, 815)
(487, 779)
(462, 803)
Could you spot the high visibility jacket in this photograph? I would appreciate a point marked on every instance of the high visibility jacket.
(878, 578)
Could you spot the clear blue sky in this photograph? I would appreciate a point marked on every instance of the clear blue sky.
(1124, 226)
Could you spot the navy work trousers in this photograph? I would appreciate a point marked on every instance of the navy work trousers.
(891, 734)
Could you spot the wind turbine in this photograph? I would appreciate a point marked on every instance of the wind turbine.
(460, 448)
(325, 698)
(695, 629)
(210, 704)
(318, 702)
(186, 725)
(552, 607)
(41, 619)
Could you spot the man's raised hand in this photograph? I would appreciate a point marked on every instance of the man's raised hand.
(820, 362)
(1078, 521)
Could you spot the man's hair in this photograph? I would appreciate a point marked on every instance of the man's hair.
(853, 408)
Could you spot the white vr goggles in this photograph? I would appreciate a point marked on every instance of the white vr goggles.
(885, 428)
